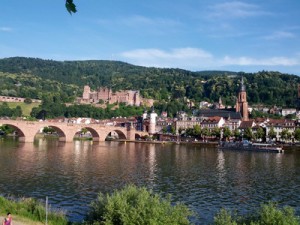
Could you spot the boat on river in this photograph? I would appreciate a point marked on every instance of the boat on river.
(249, 146)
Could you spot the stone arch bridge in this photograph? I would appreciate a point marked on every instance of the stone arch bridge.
(27, 130)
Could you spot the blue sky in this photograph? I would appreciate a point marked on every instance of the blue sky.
(247, 35)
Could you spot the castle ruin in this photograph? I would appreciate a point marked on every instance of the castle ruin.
(129, 97)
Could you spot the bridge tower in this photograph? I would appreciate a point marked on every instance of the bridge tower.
(152, 124)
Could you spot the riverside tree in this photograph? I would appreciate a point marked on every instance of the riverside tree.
(268, 214)
(297, 134)
(227, 133)
(272, 133)
(260, 134)
(133, 205)
(248, 134)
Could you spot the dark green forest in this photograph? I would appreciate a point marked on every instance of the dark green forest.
(63, 81)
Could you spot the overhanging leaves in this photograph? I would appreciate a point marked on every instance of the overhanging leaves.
(71, 7)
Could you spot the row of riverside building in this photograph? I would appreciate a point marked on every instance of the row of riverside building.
(234, 119)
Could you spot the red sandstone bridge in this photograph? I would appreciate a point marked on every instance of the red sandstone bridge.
(26, 130)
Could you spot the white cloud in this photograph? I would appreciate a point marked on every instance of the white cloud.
(178, 53)
(140, 21)
(235, 9)
(197, 59)
(179, 58)
(5, 29)
(279, 35)
(248, 61)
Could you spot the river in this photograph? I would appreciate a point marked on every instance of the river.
(205, 179)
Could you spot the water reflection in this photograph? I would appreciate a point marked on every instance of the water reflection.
(221, 169)
(151, 156)
(205, 179)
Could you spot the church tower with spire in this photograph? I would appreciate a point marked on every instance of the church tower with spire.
(241, 102)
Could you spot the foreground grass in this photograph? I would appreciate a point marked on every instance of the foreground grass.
(28, 209)
(138, 206)
(26, 108)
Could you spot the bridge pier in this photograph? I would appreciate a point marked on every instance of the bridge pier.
(22, 139)
(63, 139)
(101, 138)
(130, 133)
(28, 138)
(96, 139)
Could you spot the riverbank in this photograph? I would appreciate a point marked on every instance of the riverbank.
(123, 207)
(285, 147)
(208, 144)
(29, 211)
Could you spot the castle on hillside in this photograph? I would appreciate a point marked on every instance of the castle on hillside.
(106, 95)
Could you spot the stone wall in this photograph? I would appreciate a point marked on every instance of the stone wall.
(15, 99)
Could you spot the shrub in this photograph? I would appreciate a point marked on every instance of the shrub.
(28, 101)
(224, 218)
(133, 205)
(268, 214)
(271, 215)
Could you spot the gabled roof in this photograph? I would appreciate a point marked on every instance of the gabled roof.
(247, 124)
(281, 122)
(210, 120)
(260, 120)
(220, 113)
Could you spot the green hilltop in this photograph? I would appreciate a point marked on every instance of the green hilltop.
(33, 78)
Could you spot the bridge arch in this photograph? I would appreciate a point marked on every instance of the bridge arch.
(27, 130)
(120, 133)
(19, 132)
(94, 133)
(61, 134)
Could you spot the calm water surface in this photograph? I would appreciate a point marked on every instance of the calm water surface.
(205, 179)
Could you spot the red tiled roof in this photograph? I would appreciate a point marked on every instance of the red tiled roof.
(281, 122)
(246, 124)
(214, 119)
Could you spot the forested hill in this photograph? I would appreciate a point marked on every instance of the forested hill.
(94, 72)
(31, 77)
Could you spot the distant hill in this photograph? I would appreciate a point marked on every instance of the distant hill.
(77, 72)
(33, 77)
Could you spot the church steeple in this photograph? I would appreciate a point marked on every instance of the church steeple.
(242, 85)
(241, 102)
(220, 104)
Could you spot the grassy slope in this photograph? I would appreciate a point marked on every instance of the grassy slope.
(26, 108)
(28, 211)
